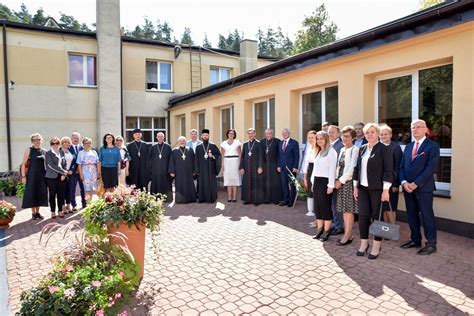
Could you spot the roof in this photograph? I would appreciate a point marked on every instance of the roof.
(445, 15)
(39, 28)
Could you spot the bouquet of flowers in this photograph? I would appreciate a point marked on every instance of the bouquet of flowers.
(7, 210)
(300, 191)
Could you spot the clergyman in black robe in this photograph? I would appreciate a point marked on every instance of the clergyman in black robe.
(182, 168)
(251, 167)
(271, 176)
(208, 165)
(161, 181)
(138, 170)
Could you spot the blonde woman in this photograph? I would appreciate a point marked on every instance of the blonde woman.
(69, 161)
(87, 161)
(307, 168)
(323, 176)
(125, 162)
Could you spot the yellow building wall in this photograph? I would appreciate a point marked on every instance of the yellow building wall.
(356, 76)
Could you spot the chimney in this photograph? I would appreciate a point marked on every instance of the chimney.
(248, 55)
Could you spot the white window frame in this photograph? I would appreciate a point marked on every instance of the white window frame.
(221, 110)
(323, 107)
(415, 106)
(181, 127)
(84, 71)
(197, 119)
(263, 100)
(153, 129)
(158, 69)
(218, 68)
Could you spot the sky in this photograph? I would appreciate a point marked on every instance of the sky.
(214, 17)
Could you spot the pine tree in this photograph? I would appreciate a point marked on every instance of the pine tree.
(186, 38)
(39, 18)
(7, 14)
(206, 42)
(148, 29)
(23, 15)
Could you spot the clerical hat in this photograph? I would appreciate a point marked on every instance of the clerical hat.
(136, 130)
(205, 131)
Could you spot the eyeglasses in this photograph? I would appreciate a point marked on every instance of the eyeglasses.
(119, 140)
(54, 143)
(36, 139)
(86, 143)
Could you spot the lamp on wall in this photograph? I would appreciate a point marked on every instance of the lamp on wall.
(177, 51)
(11, 85)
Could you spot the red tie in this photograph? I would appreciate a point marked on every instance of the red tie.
(413, 154)
(284, 146)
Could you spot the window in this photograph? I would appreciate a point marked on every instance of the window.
(82, 70)
(182, 125)
(264, 116)
(317, 107)
(425, 94)
(219, 74)
(159, 76)
(201, 121)
(227, 121)
(149, 126)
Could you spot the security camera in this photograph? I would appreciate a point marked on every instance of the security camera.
(11, 85)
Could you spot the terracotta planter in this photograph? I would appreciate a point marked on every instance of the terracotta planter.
(135, 241)
(4, 222)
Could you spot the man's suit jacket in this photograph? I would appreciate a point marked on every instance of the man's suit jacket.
(397, 158)
(379, 166)
(338, 145)
(290, 157)
(421, 169)
(75, 153)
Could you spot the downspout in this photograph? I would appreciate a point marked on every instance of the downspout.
(121, 89)
(7, 96)
(168, 136)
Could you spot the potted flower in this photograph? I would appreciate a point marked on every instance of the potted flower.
(91, 277)
(7, 212)
(125, 214)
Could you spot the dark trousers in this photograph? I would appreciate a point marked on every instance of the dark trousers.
(337, 221)
(322, 200)
(393, 201)
(56, 192)
(369, 209)
(73, 181)
(67, 197)
(421, 203)
(289, 190)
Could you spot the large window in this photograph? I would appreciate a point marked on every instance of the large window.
(319, 106)
(149, 126)
(264, 116)
(159, 76)
(82, 70)
(201, 121)
(182, 125)
(219, 74)
(227, 121)
(425, 94)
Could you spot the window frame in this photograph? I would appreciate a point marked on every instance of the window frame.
(198, 114)
(153, 129)
(268, 118)
(415, 106)
(231, 118)
(84, 70)
(182, 125)
(158, 71)
(219, 68)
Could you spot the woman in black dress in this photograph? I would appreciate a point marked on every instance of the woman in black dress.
(32, 176)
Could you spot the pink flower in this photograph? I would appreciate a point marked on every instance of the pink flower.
(69, 293)
(69, 268)
(100, 312)
(96, 284)
(118, 295)
(53, 288)
(121, 274)
(124, 313)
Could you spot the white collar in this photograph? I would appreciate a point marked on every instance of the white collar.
(332, 143)
(420, 141)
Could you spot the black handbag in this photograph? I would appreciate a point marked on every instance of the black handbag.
(383, 229)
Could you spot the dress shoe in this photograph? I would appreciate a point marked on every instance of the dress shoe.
(319, 232)
(373, 257)
(337, 232)
(290, 205)
(282, 203)
(427, 250)
(410, 244)
(362, 253)
(325, 236)
(234, 201)
(33, 216)
(246, 203)
(345, 243)
(39, 216)
(256, 204)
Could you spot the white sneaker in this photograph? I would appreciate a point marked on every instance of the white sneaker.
(313, 224)
(310, 213)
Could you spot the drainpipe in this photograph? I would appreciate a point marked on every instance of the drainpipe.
(7, 96)
(121, 89)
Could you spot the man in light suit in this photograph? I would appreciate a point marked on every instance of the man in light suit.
(360, 138)
(288, 156)
(336, 143)
(75, 178)
(417, 168)
(194, 141)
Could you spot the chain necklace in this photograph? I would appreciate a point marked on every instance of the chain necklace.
(267, 146)
(206, 150)
(183, 153)
(160, 151)
(251, 147)
(138, 148)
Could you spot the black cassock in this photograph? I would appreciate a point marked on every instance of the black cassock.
(252, 182)
(159, 163)
(183, 170)
(207, 169)
(138, 170)
(271, 176)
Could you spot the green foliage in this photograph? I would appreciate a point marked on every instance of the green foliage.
(7, 14)
(318, 30)
(186, 37)
(7, 210)
(20, 190)
(274, 43)
(206, 43)
(39, 18)
(93, 278)
(425, 4)
(232, 41)
(8, 185)
(24, 15)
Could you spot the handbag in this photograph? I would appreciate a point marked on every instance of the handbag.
(383, 229)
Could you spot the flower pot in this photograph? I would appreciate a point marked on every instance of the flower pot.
(4, 222)
(135, 241)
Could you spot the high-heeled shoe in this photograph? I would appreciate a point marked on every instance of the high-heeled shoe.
(362, 253)
(319, 232)
(325, 236)
(345, 243)
(372, 257)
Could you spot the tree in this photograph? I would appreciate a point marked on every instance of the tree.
(232, 41)
(148, 29)
(69, 22)
(186, 37)
(84, 28)
(163, 32)
(425, 4)
(137, 32)
(7, 14)
(273, 43)
(205, 42)
(39, 18)
(317, 30)
(23, 15)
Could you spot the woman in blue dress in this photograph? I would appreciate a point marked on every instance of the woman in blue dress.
(87, 161)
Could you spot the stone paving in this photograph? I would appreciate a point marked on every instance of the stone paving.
(237, 259)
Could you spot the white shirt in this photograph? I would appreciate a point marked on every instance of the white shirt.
(325, 167)
(363, 170)
(194, 145)
(308, 158)
(420, 142)
(350, 161)
(231, 149)
(68, 156)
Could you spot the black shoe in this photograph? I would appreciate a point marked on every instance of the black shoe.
(234, 201)
(319, 232)
(410, 244)
(325, 236)
(39, 216)
(229, 201)
(427, 250)
(290, 204)
(373, 257)
(256, 204)
(33, 216)
(246, 203)
(282, 203)
(362, 253)
(347, 242)
(337, 232)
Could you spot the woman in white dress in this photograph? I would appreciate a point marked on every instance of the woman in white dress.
(231, 151)
(125, 162)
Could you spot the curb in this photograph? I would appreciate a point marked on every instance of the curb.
(4, 306)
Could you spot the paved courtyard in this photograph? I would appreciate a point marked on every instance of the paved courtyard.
(234, 259)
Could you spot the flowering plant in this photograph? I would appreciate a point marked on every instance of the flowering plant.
(92, 278)
(300, 191)
(7, 210)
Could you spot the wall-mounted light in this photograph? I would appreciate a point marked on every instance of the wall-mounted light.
(11, 85)
(177, 51)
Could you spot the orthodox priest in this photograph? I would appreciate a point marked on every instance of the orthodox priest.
(161, 181)
(208, 165)
(271, 176)
(251, 167)
(182, 169)
(138, 169)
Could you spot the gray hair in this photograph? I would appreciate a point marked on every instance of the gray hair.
(418, 121)
(270, 130)
(181, 138)
(286, 129)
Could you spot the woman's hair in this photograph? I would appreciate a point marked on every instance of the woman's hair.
(385, 127)
(105, 142)
(119, 137)
(65, 139)
(312, 132)
(349, 129)
(231, 130)
(35, 135)
(323, 151)
(86, 140)
(370, 125)
(54, 140)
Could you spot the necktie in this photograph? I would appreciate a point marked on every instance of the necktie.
(75, 148)
(413, 154)
(284, 146)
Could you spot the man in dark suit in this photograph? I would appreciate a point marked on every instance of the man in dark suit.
(360, 138)
(75, 178)
(336, 143)
(288, 156)
(418, 165)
